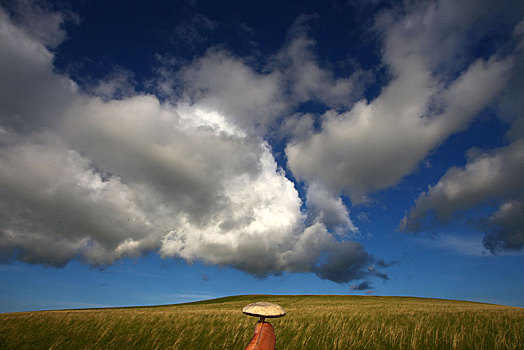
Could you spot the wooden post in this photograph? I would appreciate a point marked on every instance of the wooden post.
(264, 337)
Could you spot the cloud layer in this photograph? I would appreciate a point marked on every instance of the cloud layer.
(489, 177)
(107, 175)
(495, 175)
(375, 144)
(104, 172)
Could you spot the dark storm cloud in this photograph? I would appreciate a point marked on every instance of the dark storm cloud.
(361, 286)
(505, 228)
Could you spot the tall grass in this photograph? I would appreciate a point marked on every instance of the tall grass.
(312, 322)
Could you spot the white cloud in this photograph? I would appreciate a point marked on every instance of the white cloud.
(247, 227)
(26, 71)
(306, 80)
(39, 21)
(119, 84)
(55, 206)
(297, 126)
(100, 179)
(222, 82)
(115, 173)
(491, 175)
(256, 99)
(375, 144)
(329, 210)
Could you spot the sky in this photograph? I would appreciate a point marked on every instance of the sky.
(160, 152)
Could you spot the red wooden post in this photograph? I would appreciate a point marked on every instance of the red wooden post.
(264, 337)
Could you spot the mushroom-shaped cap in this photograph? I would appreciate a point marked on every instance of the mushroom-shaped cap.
(263, 309)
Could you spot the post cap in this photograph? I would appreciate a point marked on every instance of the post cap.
(264, 309)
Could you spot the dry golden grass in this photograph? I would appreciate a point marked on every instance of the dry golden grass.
(313, 322)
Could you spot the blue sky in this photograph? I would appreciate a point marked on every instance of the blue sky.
(170, 151)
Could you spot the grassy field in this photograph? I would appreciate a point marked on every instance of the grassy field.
(312, 322)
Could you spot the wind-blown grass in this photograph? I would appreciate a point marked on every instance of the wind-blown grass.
(312, 322)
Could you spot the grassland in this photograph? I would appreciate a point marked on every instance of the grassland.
(313, 322)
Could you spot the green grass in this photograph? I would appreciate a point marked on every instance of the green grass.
(312, 322)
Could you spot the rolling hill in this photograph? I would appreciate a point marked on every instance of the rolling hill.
(312, 322)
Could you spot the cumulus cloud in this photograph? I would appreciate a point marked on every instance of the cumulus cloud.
(26, 71)
(120, 83)
(490, 177)
(306, 80)
(329, 210)
(297, 126)
(257, 99)
(225, 83)
(108, 172)
(104, 175)
(375, 144)
(40, 21)
(55, 206)
(454, 27)
(487, 175)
